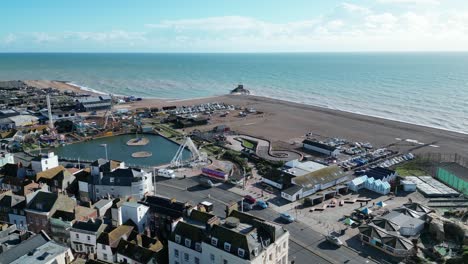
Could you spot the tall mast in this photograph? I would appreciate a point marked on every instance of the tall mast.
(49, 110)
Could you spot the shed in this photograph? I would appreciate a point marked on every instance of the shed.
(408, 186)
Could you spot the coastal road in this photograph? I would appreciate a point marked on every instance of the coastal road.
(306, 245)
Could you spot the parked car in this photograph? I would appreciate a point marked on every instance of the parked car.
(262, 204)
(334, 240)
(245, 206)
(206, 182)
(250, 199)
(166, 173)
(286, 217)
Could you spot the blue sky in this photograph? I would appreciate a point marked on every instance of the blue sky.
(233, 26)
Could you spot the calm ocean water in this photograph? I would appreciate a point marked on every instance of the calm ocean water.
(430, 89)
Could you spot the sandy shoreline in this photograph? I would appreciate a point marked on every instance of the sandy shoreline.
(284, 121)
(60, 85)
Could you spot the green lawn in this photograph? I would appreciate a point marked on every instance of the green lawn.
(167, 131)
(415, 167)
(248, 144)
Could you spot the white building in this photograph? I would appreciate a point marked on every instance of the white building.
(44, 162)
(320, 148)
(107, 242)
(37, 249)
(83, 235)
(203, 238)
(305, 185)
(6, 158)
(135, 212)
(113, 179)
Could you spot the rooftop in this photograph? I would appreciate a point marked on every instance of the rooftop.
(24, 248)
(52, 173)
(321, 176)
(318, 145)
(92, 225)
(456, 169)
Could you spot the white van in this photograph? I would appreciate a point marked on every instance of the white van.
(166, 173)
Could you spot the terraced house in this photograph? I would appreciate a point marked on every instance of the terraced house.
(240, 238)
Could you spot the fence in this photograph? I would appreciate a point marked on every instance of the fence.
(445, 157)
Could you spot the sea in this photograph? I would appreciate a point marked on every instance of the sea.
(429, 89)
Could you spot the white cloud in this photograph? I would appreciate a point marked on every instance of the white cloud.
(115, 35)
(412, 2)
(42, 37)
(349, 27)
(9, 39)
(355, 8)
(368, 31)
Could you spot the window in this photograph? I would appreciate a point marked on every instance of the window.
(284, 244)
(212, 257)
(104, 256)
(225, 261)
(97, 190)
(186, 257)
(188, 242)
(177, 239)
(177, 262)
(176, 253)
(103, 246)
(241, 252)
(214, 241)
(227, 246)
(89, 238)
(271, 257)
(198, 247)
(77, 236)
(197, 260)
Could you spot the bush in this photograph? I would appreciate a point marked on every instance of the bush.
(236, 158)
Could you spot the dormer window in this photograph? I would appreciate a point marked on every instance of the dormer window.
(241, 252)
(177, 239)
(198, 247)
(227, 246)
(188, 242)
(214, 241)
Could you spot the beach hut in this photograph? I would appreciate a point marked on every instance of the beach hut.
(357, 184)
(348, 221)
(381, 204)
(366, 211)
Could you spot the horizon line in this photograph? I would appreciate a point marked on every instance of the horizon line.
(228, 52)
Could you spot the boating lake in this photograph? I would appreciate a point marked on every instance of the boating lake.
(163, 150)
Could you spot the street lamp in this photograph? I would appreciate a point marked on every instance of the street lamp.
(105, 148)
(245, 173)
(154, 180)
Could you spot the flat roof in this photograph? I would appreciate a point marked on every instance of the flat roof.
(456, 169)
(43, 254)
(319, 145)
(431, 187)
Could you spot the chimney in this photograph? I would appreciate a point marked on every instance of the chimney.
(139, 240)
